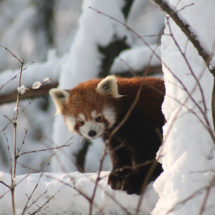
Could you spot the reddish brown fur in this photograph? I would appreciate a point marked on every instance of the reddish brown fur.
(151, 97)
(84, 98)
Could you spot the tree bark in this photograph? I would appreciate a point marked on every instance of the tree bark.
(30, 93)
(112, 50)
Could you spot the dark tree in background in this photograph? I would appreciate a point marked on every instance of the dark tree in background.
(43, 26)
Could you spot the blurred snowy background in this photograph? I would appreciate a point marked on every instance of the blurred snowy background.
(32, 28)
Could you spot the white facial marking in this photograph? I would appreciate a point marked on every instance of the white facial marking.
(92, 129)
(110, 115)
(93, 114)
(81, 116)
(70, 122)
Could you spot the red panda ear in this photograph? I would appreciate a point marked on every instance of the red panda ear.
(60, 97)
(108, 86)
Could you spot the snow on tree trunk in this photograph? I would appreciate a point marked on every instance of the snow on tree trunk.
(187, 155)
(84, 62)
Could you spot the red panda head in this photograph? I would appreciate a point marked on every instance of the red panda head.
(88, 109)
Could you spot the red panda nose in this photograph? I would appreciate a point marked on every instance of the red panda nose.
(92, 133)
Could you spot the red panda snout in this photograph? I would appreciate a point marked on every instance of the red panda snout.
(94, 126)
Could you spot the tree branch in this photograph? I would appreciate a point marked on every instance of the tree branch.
(30, 93)
(188, 31)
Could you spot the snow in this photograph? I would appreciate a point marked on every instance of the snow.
(147, 20)
(92, 161)
(9, 34)
(22, 89)
(36, 85)
(100, 31)
(135, 59)
(24, 35)
(68, 193)
(187, 154)
(66, 21)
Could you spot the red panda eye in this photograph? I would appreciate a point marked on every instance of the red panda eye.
(99, 118)
(80, 122)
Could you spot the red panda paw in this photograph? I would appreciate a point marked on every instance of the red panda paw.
(116, 177)
(126, 180)
(132, 183)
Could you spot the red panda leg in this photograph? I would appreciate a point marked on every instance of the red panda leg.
(136, 180)
(121, 161)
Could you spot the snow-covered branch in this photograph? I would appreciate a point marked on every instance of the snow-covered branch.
(30, 93)
(37, 79)
(188, 31)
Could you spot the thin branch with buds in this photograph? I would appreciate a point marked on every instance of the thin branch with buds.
(13, 176)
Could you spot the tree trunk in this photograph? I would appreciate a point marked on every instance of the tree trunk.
(213, 104)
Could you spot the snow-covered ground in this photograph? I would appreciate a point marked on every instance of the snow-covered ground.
(70, 193)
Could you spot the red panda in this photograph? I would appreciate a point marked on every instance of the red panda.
(95, 108)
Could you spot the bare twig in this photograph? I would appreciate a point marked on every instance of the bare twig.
(11, 53)
(208, 190)
(193, 195)
(29, 197)
(97, 180)
(13, 181)
(203, 110)
(45, 203)
(193, 38)
(23, 142)
(13, 170)
(43, 150)
(188, 65)
(4, 128)
(6, 185)
(27, 205)
(185, 200)
(14, 77)
(73, 187)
